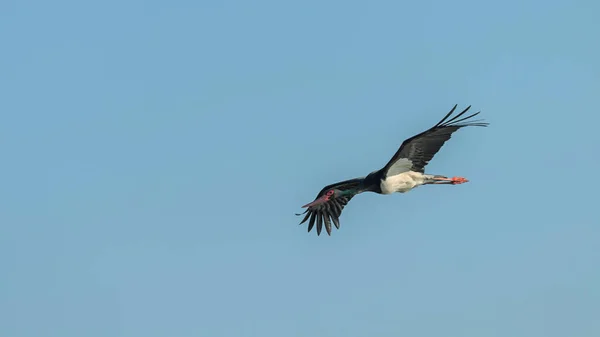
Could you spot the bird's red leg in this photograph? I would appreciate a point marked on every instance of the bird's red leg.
(459, 180)
(453, 180)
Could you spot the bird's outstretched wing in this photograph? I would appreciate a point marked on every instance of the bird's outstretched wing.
(328, 205)
(416, 152)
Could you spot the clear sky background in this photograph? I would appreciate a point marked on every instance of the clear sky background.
(154, 154)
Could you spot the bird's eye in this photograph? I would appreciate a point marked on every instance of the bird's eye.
(330, 193)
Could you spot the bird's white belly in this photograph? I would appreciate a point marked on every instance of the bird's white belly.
(402, 182)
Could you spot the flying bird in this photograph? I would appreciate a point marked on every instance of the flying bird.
(405, 171)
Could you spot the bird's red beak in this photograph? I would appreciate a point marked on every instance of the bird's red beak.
(317, 202)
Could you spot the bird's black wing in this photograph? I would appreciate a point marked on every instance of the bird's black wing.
(332, 209)
(416, 152)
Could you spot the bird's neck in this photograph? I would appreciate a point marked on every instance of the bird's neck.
(350, 192)
(371, 183)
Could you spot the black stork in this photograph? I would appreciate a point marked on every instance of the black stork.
(405, 171)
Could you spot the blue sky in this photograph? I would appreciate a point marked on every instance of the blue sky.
(154, 154)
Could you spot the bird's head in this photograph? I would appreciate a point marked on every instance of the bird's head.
(331, 194)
